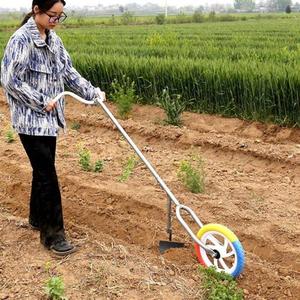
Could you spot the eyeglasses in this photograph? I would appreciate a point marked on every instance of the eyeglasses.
(53, 19)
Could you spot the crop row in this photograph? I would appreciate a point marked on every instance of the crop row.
(247, 69)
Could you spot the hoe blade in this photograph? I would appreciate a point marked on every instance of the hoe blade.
(165, 245)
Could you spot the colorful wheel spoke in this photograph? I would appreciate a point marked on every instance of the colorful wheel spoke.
(215, 241)
(230, 251)
(216, 263)
(229, 254)
(223, 264)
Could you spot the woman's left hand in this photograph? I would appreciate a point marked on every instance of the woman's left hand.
(50, 106)
(100, 94)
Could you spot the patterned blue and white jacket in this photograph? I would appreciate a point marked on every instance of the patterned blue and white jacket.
(32, 74)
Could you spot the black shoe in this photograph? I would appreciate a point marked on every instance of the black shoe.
(62, 248)
(34, 225)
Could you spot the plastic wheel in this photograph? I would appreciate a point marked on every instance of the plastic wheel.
(230, 253)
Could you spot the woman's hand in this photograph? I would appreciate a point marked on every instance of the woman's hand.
(51, 105)
(100, 94)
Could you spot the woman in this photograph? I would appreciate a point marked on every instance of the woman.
(34, 69)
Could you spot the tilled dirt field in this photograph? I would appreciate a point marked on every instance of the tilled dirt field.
(252, 187)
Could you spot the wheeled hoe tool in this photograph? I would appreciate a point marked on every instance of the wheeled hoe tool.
(215, 244)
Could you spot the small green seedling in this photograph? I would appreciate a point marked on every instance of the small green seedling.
(124, 96)
(99, 165)
(75, 125)
(55, 288)
(193, 177)
(85, 159)
(10, 136)
(86, 163)
(128, 167)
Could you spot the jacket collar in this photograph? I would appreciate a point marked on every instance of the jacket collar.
(36, 37)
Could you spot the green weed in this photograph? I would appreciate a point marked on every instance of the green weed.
(54, 287)
(75, 125)
(85, 160)
(128, 167)
(219, 285)
(10, 136)
(193, 177)
(124, 96)
(99, 165)
(173, 107)
(86, 163)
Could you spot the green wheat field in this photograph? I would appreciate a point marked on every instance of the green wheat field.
(246, 67)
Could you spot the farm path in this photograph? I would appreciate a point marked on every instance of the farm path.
(252, 186)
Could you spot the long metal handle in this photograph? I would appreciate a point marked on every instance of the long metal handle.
(126, 136)
(73, 96)
(171, 196)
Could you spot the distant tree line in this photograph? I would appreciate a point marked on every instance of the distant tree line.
(269, 5)
(150, 9)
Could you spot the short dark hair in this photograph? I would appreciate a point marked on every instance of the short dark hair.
(43, 5)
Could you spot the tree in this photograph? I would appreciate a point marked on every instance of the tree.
(200, 9)
(297, 6)
(244, 4)
(160, 19)
(278, 5)
(127, 18)
(198, 17)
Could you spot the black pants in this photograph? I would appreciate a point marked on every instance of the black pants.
(45, 201)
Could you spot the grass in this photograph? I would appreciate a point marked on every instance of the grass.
(191, 173)
(85, 160)
(99, 165)
(128, 168)
(54, 286)
(75, 126)
(12, 20)
(124, 96)
(10, 136)
(219, 285)
(173, 107)
(86, 163)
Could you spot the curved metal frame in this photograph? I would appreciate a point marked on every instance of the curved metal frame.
(179, 207)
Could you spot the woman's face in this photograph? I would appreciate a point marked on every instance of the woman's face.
(48, 19)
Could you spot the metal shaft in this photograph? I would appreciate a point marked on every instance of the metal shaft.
(169, 221)
(171, 196)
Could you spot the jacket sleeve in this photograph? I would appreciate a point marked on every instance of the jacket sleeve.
(74, 80)
(14, 64)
